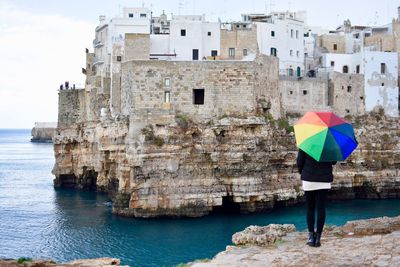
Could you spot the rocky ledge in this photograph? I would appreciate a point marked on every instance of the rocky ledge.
(372, 242)
(26, 262)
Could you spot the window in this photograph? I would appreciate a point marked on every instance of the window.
(231, 52)
(167, 97)
(198, 96)
(345, 69)
(119, 58)
(130, 15)
(291, 52)
(273, 51)
(183, 32)
(334, 47)
(304, 92)
(143, 15)
(297, 34)
(291, 92)
(290, 72)
(358, 69)
(272, 33)
(214, 53)
(291, 33)
(244, 52)
(195, 54)
(166, 82)
(349, 89)
(332, 63)
(209, 33)
(297, 53)
(383, 68)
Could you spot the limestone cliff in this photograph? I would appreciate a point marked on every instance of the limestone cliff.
(43, 132)
(158, 168)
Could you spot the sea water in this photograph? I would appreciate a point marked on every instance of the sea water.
(38, 221)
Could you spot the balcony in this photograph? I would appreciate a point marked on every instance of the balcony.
(97, 43)
(97, 61)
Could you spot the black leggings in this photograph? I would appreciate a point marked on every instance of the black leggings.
(316, 198)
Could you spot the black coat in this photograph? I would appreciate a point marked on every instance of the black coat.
(312, 170)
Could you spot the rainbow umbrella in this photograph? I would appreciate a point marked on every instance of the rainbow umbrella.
(325, 136)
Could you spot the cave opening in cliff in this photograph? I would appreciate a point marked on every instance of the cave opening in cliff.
(229, 206)
(65, 181)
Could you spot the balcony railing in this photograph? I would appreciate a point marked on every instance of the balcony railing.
(97, 61)
(97, 43)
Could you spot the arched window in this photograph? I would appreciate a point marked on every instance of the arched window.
(345, 69)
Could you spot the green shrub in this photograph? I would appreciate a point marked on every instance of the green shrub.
(23, 259)
(158, 141)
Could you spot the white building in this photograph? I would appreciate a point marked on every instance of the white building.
(133, 20)
(380, 71)
(281, 34)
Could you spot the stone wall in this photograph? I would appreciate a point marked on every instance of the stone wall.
(328, 41)
(239, 39)
(300, 96)
(381, 42)
(137, 46)
(346, 93)
(230, 87)
(70, 107)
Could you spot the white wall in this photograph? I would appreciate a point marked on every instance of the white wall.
(196, 38)
(284, 42)
(381, 89)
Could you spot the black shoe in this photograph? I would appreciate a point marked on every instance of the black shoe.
(317, 240)
(311, 239)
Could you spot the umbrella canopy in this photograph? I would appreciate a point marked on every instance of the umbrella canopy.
(325, 136)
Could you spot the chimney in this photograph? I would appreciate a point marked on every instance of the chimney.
(102, 19)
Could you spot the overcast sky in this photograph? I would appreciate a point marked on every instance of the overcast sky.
(42, 42)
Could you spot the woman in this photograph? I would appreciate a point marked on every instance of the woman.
(316, 180)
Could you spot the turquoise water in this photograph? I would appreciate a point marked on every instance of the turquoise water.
(40, 222)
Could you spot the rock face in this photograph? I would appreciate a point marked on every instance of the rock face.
(100, 262)
(155, 168)
(43, 132)
(362, 246)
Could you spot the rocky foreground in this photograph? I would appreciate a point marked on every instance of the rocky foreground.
(373, 242)
(22, 262)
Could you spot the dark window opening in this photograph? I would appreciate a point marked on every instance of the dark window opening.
(358, 69)
(195, 54)
(143, 15)
(342, 87)
(198, 96)
(273, 51)
(183, 32)
(335, 47)
(214, 53)
(332, 63)
(290, 72)
(291, 92)
(244, 52)
(209, 33)
(349, 89)
(131, 15)
(345, 69)
(383, 68)
(119, 58)
(304, 92)
(383, 84)
(273, 33)
(361, 97)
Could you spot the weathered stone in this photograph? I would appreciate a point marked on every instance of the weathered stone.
(262, 235)
(366, 249)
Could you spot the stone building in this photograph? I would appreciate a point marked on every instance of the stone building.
(238, 41)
